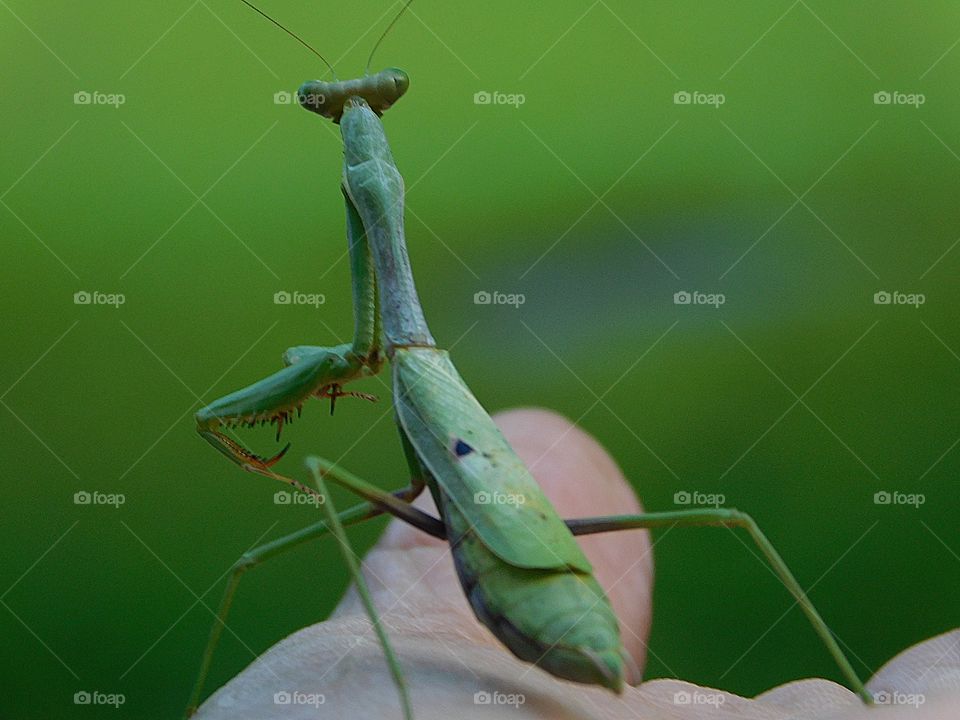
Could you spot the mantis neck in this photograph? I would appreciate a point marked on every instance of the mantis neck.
(375, 187)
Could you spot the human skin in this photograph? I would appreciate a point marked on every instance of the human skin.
(454, 665)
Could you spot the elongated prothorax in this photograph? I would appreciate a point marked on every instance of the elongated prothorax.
(375, 187)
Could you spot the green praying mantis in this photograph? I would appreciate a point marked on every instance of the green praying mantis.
(522, 571)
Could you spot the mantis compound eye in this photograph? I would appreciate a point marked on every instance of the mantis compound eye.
(393, 84)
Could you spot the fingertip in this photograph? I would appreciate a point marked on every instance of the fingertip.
(577, 473)
(581, 479)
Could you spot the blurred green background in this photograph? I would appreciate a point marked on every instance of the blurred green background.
(691, 398)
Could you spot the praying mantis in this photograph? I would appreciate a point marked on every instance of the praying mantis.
(513, 560)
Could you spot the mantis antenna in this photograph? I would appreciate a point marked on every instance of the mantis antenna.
(385, 33)
(297, 37)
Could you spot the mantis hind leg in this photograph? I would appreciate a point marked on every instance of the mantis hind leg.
(398, 506)
(363, 591)
(385, 502)
(379, 502)
(728, 517)
(250, 559)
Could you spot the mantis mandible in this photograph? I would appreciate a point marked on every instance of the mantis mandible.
(512, 560)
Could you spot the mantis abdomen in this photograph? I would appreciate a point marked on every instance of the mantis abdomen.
(558, 619)
(521, 569)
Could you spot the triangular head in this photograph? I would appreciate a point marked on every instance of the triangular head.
(380, 91)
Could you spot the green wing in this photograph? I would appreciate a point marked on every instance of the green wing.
(476, 467)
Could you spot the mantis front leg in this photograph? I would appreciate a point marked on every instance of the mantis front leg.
(310, 371)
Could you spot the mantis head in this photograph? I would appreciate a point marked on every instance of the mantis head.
(327, 98)
(380, 92)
